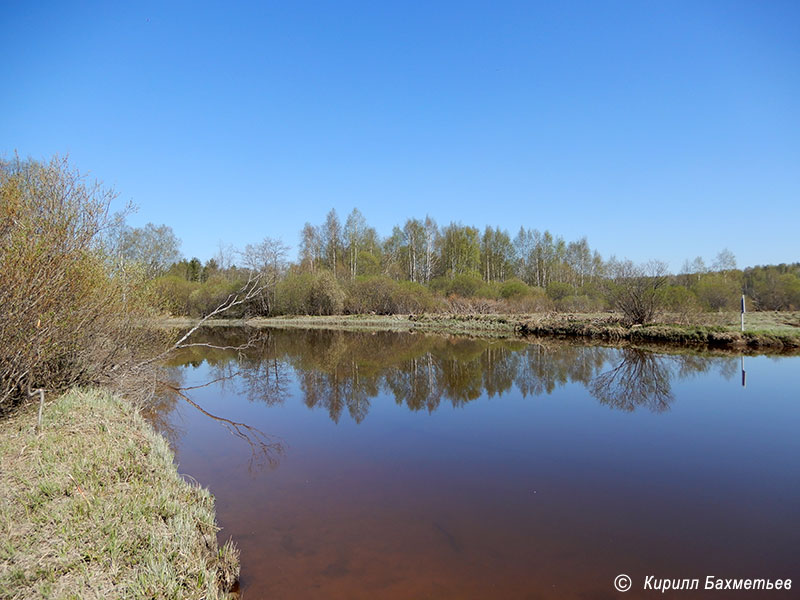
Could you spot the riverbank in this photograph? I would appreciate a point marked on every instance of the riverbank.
(92, 506)
(763, 331)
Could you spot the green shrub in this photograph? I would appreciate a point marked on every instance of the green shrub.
(679, 300)
(309, 294)
(293, 292)
(593, 291)
(534, 301)
(556, 290)
(209, 295)
(384, 296)
(67, 315)
(718, 292)
(415, 297)
(583, 304)
(439, 285)
(174, 292)
(325, 296)
(514, 288)
(464, 285)
(368, 264)
(377, 295)
(774, 287)
(490, 290)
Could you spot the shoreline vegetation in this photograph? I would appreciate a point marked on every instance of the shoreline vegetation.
(91, 503)
(93, 506)
(764, 332)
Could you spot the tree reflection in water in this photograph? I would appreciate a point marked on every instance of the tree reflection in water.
(158, 409)
(339, 371)
(641, 379)
(260, 380)
(264, 449)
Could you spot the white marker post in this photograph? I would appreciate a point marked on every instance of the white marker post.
(742, 312)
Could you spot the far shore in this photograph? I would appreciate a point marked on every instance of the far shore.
(764, 331)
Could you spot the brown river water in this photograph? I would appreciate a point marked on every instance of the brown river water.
(399, 465)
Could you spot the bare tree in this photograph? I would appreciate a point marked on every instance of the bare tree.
(633, 289)
(154, 247)
(725, 261)
(267, 259)
(698, 266)
(414, 237)
(224, 256)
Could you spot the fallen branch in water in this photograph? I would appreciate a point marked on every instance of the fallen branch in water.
(249, 290)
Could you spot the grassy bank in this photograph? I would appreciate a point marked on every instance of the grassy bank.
(774, 331)
(770, 333)
(92, 506)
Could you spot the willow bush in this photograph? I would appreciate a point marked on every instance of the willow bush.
(67, 315)
(384, 296)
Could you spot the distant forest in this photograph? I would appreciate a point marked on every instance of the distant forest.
(421, 266)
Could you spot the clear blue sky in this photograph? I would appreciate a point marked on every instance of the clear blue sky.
(657, 129)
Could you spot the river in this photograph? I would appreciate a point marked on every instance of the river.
(400, 465)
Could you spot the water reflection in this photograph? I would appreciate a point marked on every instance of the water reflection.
(265, 449)
(342, 372)
(440, 467)
(641, 379)
(159, 409)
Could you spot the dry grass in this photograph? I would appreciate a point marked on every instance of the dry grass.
(764, 331)
(759, 322)
(93, 507)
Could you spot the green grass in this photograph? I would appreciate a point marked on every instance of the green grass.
(93, 507)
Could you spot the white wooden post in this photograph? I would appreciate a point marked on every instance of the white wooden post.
(742, 312)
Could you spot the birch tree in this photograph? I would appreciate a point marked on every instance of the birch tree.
(332, 240)
(354, 230)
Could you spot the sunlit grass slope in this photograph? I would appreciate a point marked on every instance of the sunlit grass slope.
(93, 507)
